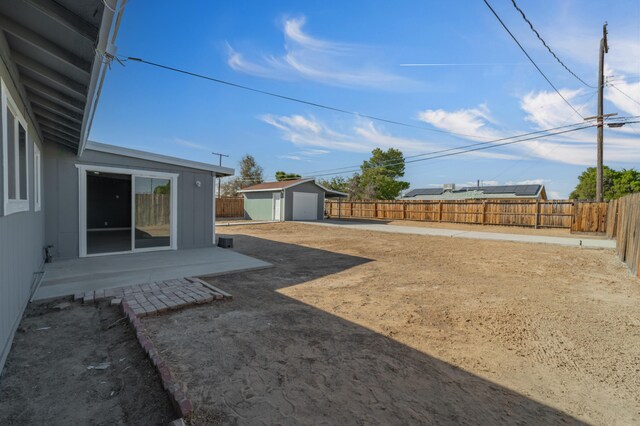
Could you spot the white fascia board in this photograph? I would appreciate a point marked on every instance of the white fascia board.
(277, 189)
(331, 191)
(109, 26)
(158, 158)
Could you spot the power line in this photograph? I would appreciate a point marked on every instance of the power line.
(551, 151)
(464, 146)
(290, 98)
(473, 149)
(530, 59)
(619, 90)
(547, 46)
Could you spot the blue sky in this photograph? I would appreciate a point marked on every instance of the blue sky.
(352, 55)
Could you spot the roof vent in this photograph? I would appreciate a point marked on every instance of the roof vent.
(449, 186)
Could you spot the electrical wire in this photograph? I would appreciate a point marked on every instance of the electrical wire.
(625, 94)
(549, 153)
(469, 150)
(465, 146)
(547, 46)
(531, 59)
(290, 98)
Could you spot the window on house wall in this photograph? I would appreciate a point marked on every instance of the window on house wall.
(37, 178)
(15, 156)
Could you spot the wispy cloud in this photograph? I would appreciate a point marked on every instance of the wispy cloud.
(546, 110)
(543, 109)
(190, 144)
(362, 137)
(622, 94)
(322, 61)
(290, 157)
(472, 121)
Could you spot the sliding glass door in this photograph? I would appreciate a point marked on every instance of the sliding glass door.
(125, 210)
(152, 213)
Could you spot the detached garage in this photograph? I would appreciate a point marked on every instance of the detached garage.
(300, 199)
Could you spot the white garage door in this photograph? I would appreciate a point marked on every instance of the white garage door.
(305, 206)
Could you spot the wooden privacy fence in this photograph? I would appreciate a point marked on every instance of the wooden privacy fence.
(624, 221)
(152, 209)
(230, 207)
(577, 216)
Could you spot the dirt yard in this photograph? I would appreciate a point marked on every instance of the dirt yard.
(355, 327)
(46, 380)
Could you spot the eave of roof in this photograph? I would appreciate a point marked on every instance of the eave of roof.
(275, 186)
(58, 51)
(282, 185)
(158, 158)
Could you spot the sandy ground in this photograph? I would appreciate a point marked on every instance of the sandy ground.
(46, 380)
(355, 327)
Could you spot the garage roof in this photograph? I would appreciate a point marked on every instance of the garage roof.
(284, 184)
(219, 171)
(60, 50)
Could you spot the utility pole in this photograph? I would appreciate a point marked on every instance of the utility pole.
(604, 48)
(220, 164)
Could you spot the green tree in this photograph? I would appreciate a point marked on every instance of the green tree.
(350, 186)
(250, 174)
(280, 176)
(626, 182)
(616, 183)
(379, 177)
(163, 189)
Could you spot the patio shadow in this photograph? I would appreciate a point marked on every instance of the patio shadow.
(269, 358)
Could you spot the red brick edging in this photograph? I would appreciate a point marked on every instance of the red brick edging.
(176, 391)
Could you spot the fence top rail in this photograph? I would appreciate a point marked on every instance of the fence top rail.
(488, 201)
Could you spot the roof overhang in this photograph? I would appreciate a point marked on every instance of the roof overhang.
(59, 52)
(281, 188)
(219, 171)
(329, 192)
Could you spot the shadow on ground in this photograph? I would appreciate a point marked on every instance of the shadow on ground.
(268, 358)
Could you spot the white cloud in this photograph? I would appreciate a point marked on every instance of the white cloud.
(622, 94)
(190, 144)
(546, 110)
(538, 181)
(471, 121)
(323, 61)
(290, 157)
(314, 152)
(362, 137)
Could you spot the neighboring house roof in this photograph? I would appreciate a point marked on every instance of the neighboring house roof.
(158, 158)
(59, 51)
(499, 191)
(285, 184)
(424, 191)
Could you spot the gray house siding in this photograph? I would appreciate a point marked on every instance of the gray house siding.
(21, 238)
(303, 187)
(195, 204)
(259, 205)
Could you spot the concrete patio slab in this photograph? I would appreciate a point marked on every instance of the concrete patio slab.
(479, 235)
(67, 277)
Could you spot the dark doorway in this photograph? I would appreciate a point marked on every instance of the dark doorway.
(108, 212)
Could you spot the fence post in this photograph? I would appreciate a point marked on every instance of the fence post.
(537, 214)
(484, 210)
(439, 211)
(339, 207)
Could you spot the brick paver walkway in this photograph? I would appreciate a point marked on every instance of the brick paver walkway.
(158, 297)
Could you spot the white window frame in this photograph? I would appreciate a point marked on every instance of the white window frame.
(82, 204)
(13, 205)
(37, 178)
